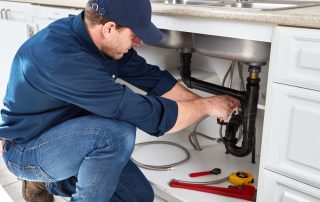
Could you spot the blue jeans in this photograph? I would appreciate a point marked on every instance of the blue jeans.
(86, 158)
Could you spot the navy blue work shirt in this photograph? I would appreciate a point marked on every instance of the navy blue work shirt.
(59, 73)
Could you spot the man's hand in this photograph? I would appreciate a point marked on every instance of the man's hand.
(222, 106)
(192, 110)
(219, 106)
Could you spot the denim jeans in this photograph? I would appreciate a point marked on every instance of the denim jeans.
(86, 158)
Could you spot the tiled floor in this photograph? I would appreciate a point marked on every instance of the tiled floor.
(13, 186)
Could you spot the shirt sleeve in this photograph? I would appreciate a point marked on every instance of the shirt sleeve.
(149, 78)
(85, 82)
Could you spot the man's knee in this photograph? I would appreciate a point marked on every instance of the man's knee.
(128, 136)
(119, 140)
(125, 141)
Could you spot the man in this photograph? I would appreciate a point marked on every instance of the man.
(69, 128)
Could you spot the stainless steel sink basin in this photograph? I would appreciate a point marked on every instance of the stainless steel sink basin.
(187, 2)
(266, 5)
(255, 4)
(217, 46)
(232, 48)
(176, 39)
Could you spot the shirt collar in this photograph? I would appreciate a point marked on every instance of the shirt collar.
(81, 31)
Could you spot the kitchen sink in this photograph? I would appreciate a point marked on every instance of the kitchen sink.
(176, 39)
(232, 48)
(187, 2)
(257, 5)
(266, 5)
(217, 46)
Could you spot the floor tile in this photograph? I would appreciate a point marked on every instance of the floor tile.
(5, 176)
(14, 191)
(59, 199)
(158, 199)
(4, 196)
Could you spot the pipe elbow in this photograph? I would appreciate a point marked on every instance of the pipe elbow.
(230, 139)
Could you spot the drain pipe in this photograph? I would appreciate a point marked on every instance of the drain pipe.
(246, 118)
(185, 73)
(248, 106)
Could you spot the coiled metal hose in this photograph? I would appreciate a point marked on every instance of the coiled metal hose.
(162, 167)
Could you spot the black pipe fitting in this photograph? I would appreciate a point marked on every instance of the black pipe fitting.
(185, 71)
(249, 113)
(231, 129)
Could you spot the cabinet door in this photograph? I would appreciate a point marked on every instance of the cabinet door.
(273, 187)
(295, 57)
(11, 38)
(291, 127)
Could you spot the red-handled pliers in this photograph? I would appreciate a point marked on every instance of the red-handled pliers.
(246, 192)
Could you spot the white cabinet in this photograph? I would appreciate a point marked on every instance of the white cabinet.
(277, 188)
(297, 57)
(290, 145)
(294, 133)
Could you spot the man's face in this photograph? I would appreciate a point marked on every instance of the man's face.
(119, 42)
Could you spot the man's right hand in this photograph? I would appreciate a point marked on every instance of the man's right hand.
(222, 106)
(192, 110)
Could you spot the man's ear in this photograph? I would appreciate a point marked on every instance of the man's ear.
(108, 28)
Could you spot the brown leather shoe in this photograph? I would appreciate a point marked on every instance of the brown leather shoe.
(35, 192)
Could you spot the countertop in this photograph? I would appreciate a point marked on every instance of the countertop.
(300, 17)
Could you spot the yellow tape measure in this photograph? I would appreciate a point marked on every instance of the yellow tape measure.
(241, 178)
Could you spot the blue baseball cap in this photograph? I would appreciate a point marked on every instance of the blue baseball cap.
(134, 14)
